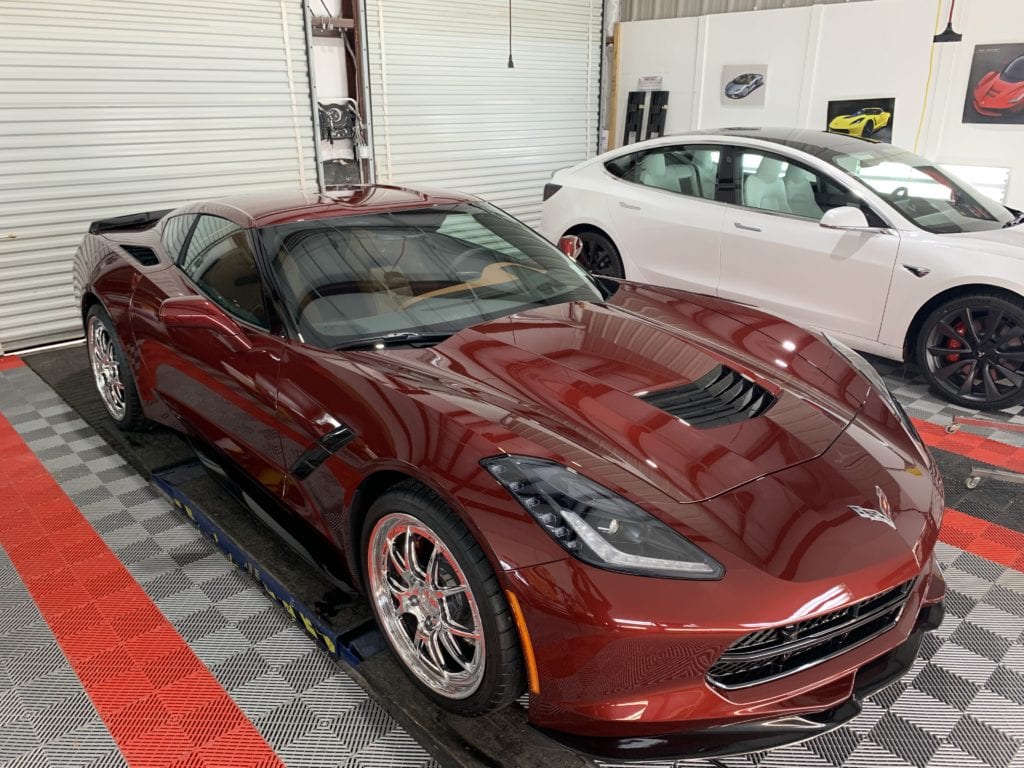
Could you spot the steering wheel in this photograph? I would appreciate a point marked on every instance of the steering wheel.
(900, 193)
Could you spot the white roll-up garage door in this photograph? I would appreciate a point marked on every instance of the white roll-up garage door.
(448, 112)
(117, 106)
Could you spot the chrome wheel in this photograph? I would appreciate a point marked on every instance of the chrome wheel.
(105, 368)
(426, 606)
(976, 354)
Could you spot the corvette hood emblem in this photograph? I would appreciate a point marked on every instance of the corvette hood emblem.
(882, 515)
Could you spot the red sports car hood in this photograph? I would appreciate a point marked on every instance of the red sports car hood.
(998, 92)
(567, 382)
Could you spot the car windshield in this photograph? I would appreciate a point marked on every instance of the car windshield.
(744, 79)
(930, 197)
(426, 273)
(1014, 72)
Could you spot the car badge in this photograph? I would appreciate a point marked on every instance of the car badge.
(884, 512)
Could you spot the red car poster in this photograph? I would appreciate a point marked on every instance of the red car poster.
(995, 89)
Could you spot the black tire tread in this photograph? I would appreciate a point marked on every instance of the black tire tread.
(583, 232)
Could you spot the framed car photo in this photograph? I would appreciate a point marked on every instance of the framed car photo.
(995, 87)
(744, 85)
(865, 118)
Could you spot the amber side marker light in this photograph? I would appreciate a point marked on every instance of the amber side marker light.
(532, 678)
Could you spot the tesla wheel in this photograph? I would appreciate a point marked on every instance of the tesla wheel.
(114, 381)
(972, 351)
(600, 256)
(439, 604)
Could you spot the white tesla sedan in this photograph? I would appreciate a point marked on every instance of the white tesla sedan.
(876, 246)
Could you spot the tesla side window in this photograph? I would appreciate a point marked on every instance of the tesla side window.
(689, 171)
(220, 262)
(424, 273)
(174, 233)
(772, 183)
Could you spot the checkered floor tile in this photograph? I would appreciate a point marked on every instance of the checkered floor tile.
(961, 705)
(299, 699)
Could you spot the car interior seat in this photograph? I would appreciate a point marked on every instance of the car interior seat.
(654, 171)
(707, 170)
(765, 188)
(800, 193)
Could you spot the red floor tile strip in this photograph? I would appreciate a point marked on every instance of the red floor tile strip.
(162, 706)
(984, 539)
(972, 446)
(7, 362)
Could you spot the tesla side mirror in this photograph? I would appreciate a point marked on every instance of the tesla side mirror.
(571, 246)
(845, 217)
(197, 312)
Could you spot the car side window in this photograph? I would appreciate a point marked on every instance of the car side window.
(219, 260)
(772, 183)
(689, 170)
(175, 232)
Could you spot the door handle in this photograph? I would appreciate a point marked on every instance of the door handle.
(746, 227)
(628, 206)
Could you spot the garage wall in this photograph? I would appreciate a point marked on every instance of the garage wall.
(117, 106)
(448, 112)
(876, 48)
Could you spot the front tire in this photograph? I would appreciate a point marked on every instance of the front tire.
(439, 604)
(971, 350)
(869, 128)
(600, 256)
(114, 381)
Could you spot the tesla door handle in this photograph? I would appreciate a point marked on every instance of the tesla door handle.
(630, 207)
(746, 227)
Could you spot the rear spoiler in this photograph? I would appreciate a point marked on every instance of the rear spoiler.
(131, 221)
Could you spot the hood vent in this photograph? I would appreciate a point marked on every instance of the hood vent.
(719, 397)
(142, 254)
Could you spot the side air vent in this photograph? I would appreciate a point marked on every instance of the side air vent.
(719, 397)
(142, 254)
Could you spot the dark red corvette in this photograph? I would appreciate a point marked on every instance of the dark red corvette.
(685, 526)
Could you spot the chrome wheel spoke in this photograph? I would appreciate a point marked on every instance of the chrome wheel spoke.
(416, 585)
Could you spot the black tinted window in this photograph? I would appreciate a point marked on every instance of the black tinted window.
(220, 262)
(174, 233)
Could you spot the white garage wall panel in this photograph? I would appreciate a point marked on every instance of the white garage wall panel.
(118, 106)
(448, 112)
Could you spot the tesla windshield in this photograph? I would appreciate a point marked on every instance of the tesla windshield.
(921, 191)
(415, 276)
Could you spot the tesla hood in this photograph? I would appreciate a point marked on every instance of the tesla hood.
(580, 383)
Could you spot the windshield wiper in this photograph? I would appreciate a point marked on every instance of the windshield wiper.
(399, 338)
(1018, 219)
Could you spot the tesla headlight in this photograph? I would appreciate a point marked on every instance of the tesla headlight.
(877, 383)
(596, 525)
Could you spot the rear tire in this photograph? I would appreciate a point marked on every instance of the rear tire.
(971, 350)
(115, 383)
(600, 256)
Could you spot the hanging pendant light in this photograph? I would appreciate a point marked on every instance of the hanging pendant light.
(511, 64)
(947, 36)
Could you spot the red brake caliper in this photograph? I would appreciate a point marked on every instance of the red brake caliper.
(956, 343)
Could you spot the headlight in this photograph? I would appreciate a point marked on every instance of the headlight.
(877, 383)
(598, 526)
(1017, 99)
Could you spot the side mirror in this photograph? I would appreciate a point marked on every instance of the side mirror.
(571, 246)
(845, 217)
(197, 312)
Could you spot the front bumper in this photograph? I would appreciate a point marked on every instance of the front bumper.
(755, 735)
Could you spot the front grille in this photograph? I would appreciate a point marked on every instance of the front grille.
(719, 397)
(769, 654)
